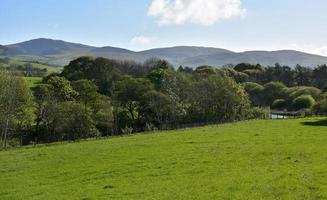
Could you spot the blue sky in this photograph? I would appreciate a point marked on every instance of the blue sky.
(142, 24)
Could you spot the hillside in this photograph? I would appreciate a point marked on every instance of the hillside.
(277, 159)
(57, 52)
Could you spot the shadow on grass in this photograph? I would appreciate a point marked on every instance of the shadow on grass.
(322, 122)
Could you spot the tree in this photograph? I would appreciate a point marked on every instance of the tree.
(205, 70)
(61, 89)
(156, 108)
(273, 91)
(302, 102)
(319, 76)
(128, 94)
(74, 122)
(303, 76)
(43, 100)
(185, 69)
(299, 91)
(99, 105)
(246, 66)
(279, 104)
(79, 68)
(320, 107)
(49, 98)
(16, 106)
(218, 99)
(87, 93)
(257, 76)
(104, 117)
(173, 84)
(103, 72)
(255, 92)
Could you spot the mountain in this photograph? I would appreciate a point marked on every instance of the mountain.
(44, 46)
(59, 52)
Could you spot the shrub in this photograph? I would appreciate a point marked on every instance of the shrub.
(320, 107)
(255, 92)
(259, 113)
(272, 91)
(246, 66)
(299, 91)
(279, 104)
(305, 113)
(303, 102)
(251, 87)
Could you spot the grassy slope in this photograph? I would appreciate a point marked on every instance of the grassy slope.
(248, 160)
(16, 61)
(33, 81)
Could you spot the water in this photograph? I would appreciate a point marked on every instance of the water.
(274, 116)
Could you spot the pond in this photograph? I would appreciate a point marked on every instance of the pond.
(275, 116)
(283, 116)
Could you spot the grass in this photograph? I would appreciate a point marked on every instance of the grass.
(33, 81)
(21, 61)
(277, 159)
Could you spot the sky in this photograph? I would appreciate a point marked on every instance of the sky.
(237, 25)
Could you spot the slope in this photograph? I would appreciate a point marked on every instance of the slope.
(254, 160)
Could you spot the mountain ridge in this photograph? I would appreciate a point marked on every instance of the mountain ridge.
(60, 52)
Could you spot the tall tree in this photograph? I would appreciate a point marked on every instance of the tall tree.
(16, 106)
(303, 75)
(319, 76)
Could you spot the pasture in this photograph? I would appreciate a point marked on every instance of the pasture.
(274, 159)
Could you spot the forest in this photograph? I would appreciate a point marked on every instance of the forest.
(99, 97)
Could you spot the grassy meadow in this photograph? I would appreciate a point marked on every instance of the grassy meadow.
(20, 61)
(51, 69)
(33, 81)
(276, 159)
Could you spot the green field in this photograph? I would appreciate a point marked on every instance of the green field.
(33, 81)
(277, 159)
(20, 61)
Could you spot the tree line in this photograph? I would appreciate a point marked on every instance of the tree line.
(284, 88)
(96, 97)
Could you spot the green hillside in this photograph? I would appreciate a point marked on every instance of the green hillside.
(33, 62)
(58, 52)
(33, 81)
(50, 68)
(278, 159)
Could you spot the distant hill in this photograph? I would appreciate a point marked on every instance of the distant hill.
(47, 47)
(58, 52)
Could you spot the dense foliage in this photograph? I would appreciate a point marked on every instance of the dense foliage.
(282, 87)
(99, 97)
(95, 97)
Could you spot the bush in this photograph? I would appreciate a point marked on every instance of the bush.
(74, 121)
(246, 66)
(303, 102)
(305, 113)
(259, 113)
(279, 104)
(255, 92)
(299, 91)
(273, 91)
(320, 107)
(251, 87)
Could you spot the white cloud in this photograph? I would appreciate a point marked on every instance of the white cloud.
(320, 51)
(202, 12)
(142, 40)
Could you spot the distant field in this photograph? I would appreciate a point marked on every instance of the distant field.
(277, 159)
(20, 61)
(51, 69)
(33, 81)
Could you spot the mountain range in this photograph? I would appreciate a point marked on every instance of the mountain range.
(58, 52)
